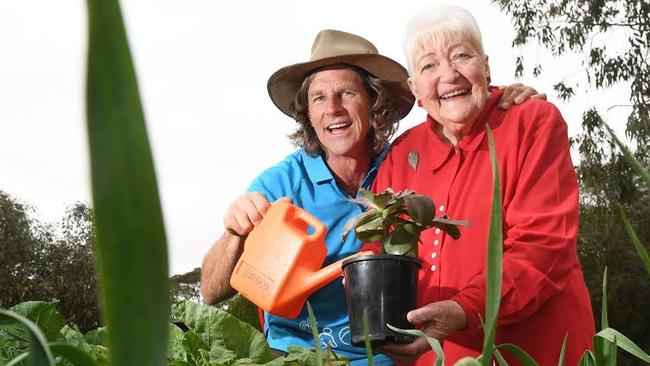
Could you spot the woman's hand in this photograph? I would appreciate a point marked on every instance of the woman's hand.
(245, 212)
(518, 93)
(438, 320)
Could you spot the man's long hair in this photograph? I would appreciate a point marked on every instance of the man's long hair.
(384, 118)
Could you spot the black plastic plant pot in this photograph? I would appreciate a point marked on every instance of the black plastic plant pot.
(385, 286)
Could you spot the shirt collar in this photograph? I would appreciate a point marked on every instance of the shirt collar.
(318, 171)
(440, 151)
(374, 166)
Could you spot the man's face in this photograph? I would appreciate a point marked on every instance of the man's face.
(339, 111)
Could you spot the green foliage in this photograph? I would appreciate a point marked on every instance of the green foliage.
(467, 361)
(623, 342)
(396, 219)
(72, 254)
(641, 250)
(521, 355)
(588, 28)
(132, 248)
(307, 357)
(186, 286)
(216, 337)
(43, 314)
(218, 328)
(433, 343)
(494, 257)
(314, 333)
(211, 337)
(562, 357)
(39, 352)
(242, 309)
(73, 354)
(366, 337)
(604, 352)
(603, 242)
(629, 157)
(45, 261)
(21, 243)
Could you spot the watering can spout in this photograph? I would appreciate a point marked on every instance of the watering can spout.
(281, 263)
(328, 274)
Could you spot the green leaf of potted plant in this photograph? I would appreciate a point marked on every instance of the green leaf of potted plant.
(385, 285)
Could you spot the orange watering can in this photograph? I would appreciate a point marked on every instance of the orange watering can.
(281, 264)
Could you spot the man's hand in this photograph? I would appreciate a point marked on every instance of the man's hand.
(247, 211)
(518, 93)
(437, 320)
(244, 213)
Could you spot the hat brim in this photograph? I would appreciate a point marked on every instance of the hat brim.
(284, 83)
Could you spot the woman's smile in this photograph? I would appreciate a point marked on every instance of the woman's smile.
(453, 94)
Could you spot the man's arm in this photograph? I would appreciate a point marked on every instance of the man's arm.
(217, 268)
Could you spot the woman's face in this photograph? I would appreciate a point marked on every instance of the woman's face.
(451, 81)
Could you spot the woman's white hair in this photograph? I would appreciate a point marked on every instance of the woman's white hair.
(434, 25)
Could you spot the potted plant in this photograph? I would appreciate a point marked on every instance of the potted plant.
(385, 285)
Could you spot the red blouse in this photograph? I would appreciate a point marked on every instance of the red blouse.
(544, 294)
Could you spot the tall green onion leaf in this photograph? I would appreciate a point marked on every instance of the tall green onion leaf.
(366, 337)
(624, 342)
(314, 333)
(518, 352)
(433, 343)
(467, 361)
(636, 165)
(132, 249)
(587, 359)
(560, 361)
(499, 358)
(604, 323)
(604, 350)
(494, 258)
(643, 253)
(39, 352)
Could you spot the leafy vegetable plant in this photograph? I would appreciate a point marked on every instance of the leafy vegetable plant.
(396, 219)
(34, 333)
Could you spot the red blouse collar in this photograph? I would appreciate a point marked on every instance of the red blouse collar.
(442, 151)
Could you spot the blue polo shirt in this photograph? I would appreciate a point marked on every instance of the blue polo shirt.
(310, 184)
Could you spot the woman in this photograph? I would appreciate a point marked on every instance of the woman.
(544, 295)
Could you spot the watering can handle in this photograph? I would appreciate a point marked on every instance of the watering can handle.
(328, 274)
(319, 227)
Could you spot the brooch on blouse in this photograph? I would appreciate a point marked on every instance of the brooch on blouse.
(413, 159)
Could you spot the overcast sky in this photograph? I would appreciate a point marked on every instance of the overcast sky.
(202, 68)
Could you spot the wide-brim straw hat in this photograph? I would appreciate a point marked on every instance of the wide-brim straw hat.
(333, 47)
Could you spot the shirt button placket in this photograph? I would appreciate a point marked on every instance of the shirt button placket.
(436, 243)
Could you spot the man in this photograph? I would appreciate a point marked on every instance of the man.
(347, 101)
